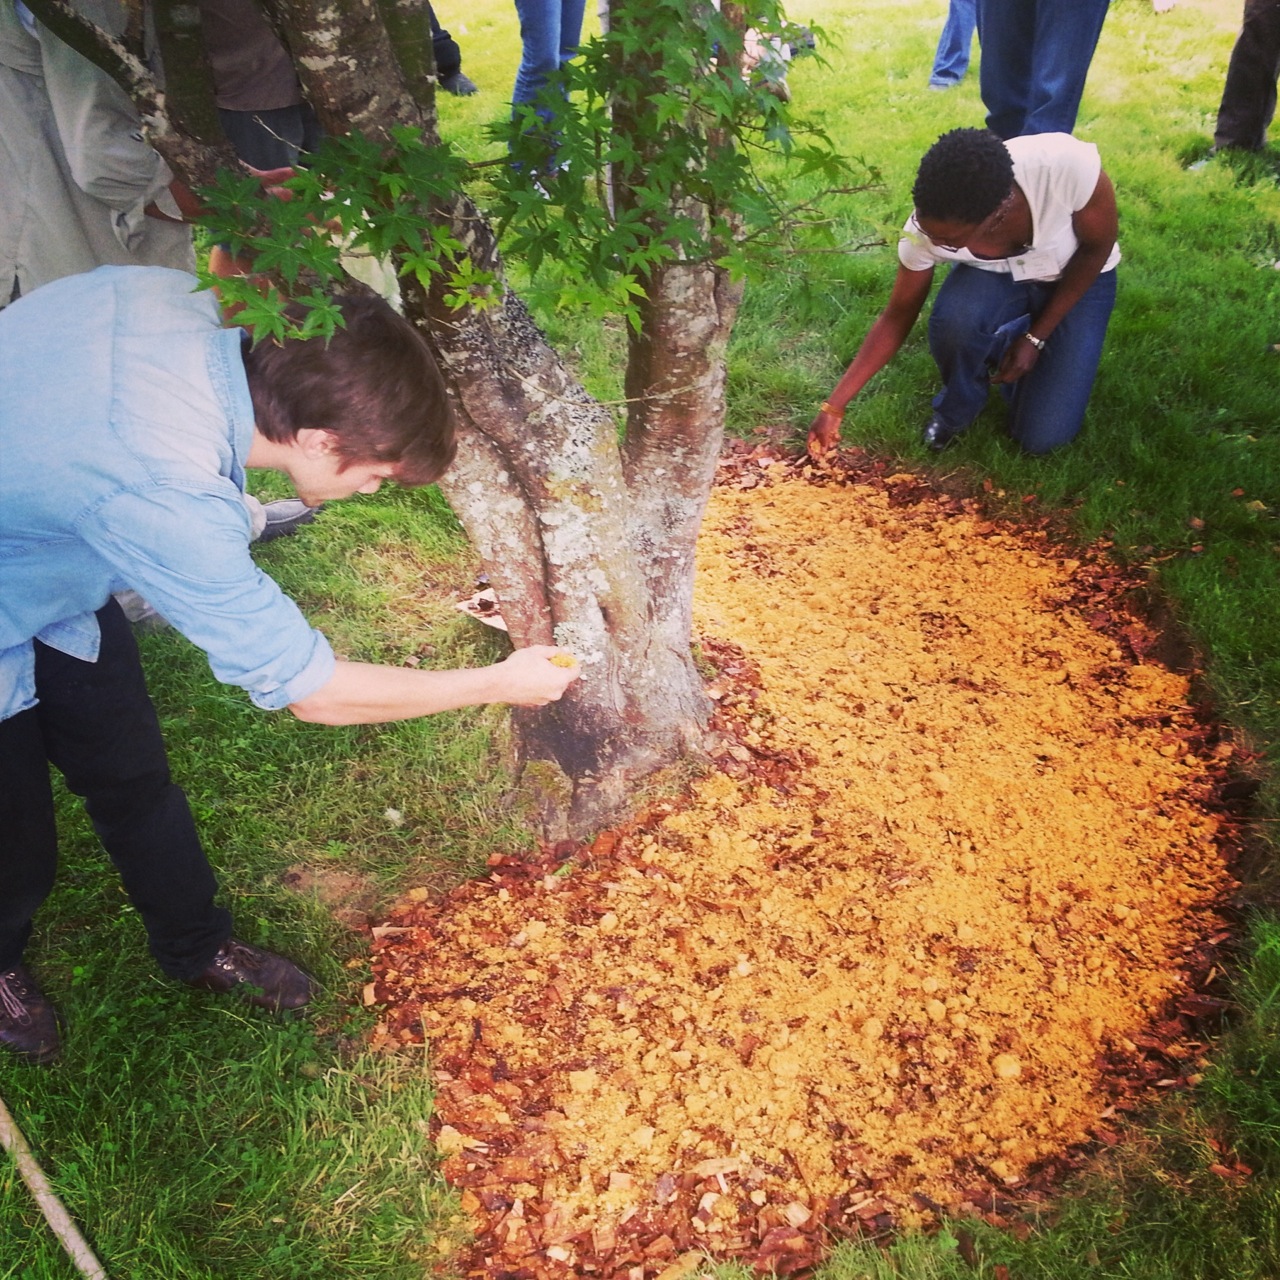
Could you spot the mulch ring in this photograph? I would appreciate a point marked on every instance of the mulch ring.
(949, 904)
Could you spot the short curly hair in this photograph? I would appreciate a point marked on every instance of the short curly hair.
(963, 177)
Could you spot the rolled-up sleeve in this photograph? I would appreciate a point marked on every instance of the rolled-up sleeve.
(186, 551)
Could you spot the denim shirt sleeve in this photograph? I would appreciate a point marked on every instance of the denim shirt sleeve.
(186, 551)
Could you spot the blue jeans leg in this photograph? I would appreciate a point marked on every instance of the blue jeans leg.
(1066, 36)
(550, 31)
(1006, 32)
(978, 314)
(952, 58)
(975, 316)
(1035, 58)
(1048, 405)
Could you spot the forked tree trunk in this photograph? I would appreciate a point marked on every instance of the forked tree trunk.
(586, 544)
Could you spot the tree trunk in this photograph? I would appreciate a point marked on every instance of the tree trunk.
(582, 549)
(578, 554)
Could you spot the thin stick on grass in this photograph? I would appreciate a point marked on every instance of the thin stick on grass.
(55, 1212)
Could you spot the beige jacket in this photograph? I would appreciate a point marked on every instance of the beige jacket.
(75, 173)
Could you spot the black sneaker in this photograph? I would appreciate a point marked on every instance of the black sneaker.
(28, 1024)
(937, 435)
(264, 978)
(459, 85)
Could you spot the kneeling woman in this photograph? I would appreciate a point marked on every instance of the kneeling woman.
(1030, 226)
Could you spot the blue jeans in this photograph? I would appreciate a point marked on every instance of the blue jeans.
(1035, 57)
(952, 59)
(975, 318)
(96, 725)
(549, 34)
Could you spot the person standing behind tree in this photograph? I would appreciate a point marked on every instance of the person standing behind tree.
(260, 102)
(79, 187)
(1035, 58)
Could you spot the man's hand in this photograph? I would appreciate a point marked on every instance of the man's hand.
(270, 180)
(531, 679)
(824, 432)
(1019, 360)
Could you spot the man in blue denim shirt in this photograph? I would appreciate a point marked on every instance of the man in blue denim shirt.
(139, 413)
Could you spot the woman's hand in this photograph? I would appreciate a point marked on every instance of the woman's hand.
(1019, 359)
(824, 432)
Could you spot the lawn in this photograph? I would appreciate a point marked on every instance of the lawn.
(193, 1140)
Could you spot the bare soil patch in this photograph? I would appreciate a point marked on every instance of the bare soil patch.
(940, 911)
(350, 898)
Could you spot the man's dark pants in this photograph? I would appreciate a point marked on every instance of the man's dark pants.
(96, 724)
(1249, 96)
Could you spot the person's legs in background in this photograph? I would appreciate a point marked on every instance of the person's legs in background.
(1066, 36)
(951, 60)
(550, 31)
(1006, 32)
(1249, 95)
(448, 58)
(1047, 407)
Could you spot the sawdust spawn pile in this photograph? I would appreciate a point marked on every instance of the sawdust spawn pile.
(953, 864)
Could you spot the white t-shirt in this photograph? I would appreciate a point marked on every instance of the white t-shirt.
(1058, 174)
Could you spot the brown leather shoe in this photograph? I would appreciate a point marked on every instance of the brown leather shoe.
(28, 1024)
(264, 978)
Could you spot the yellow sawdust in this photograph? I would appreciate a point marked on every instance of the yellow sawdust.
(899, 972)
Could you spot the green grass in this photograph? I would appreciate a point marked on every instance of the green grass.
(193, 1139)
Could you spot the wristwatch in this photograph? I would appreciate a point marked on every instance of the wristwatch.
(1038, 343)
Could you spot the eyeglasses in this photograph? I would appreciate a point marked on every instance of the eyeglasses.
(985, 227)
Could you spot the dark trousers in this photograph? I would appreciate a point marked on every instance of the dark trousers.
(96, 724)
(1035, 58)
(272, 139)
(1249, 96)
(444, 47)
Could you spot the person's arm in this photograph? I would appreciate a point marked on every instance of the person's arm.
(884, 338)
(1096, 226)
(361, 693)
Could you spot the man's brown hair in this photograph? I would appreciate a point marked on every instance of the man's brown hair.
(374, 383)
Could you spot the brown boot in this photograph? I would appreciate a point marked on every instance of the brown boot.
(264, 978)
(28, 1024)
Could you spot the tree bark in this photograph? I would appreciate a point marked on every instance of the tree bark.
(541, 488)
